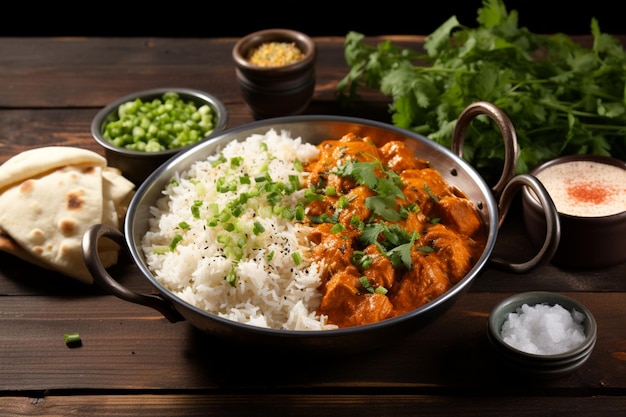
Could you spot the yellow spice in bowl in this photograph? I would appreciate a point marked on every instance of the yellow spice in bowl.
(275, 54)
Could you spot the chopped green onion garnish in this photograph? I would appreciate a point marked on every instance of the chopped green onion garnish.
(366, 284)
(258, 228)
(195, 209)
(231, 278)
(299, 213)
(175, 241)
(221, 159)
(236, 161)
(71, 338)
(381, 290)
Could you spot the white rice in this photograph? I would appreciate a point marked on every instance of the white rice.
(272, 290)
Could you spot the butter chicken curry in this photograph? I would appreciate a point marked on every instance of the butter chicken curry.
(390, 233)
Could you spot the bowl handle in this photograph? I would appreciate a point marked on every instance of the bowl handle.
(108, 283)
(511, 150)
(509, 183)
(553, 229)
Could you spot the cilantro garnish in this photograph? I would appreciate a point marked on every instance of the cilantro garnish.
(392, 240)
(386, 186)
(368, 286)
(570, 100)
(396, 245)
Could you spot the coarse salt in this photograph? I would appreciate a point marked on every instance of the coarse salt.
(585, 188)
(543, 329)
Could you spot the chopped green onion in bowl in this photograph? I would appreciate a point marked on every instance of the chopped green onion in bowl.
(166, 122)
(142, 130)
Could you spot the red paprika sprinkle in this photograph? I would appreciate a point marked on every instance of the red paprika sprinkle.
(588, 192)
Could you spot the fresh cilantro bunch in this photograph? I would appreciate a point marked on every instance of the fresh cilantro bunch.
(561, 97)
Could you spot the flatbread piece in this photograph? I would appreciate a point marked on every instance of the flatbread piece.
(49, 197)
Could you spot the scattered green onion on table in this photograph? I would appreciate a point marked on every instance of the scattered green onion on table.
(72, 339)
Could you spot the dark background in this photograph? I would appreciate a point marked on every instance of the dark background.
(316, 18)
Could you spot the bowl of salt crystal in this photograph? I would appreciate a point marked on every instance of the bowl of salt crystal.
(542, 334)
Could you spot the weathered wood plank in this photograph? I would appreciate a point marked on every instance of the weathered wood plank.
(127, 346)
(291, 405)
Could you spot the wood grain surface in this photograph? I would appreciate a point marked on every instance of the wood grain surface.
(133, 362)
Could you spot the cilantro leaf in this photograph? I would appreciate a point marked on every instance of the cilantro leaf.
(401, 254)
(384, 207)
(370, 233)
(562, 98)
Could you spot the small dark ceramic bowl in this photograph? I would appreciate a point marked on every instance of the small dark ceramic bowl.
(137, 165)
(536, 365)
(588, 242)
(273, 91)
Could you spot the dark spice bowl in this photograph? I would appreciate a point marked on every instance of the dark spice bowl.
(280, 90)
(137, 165)
(541, 365)
(587, 240)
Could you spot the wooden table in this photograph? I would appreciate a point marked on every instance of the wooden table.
(135, 363)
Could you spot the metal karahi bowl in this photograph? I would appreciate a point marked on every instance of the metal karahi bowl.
(137, 165)
(314, 129)
(541, 365)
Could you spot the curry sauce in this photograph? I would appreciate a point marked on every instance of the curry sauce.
(389, 231)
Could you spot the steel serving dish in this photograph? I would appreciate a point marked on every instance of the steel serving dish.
(492, 203)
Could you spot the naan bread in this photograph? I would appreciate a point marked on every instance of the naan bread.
(49, 197)
(37, 161)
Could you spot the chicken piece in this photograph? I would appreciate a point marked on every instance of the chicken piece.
(372, 308)
(426, 281)
(336, 152)
(425, 187)
(399, 157)
(318, 207)
(415, 221)
(356, 207)
(347, 303)
(333, 250)
(381, 271)
(455, 251)
(460, 215)
(341, 297)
